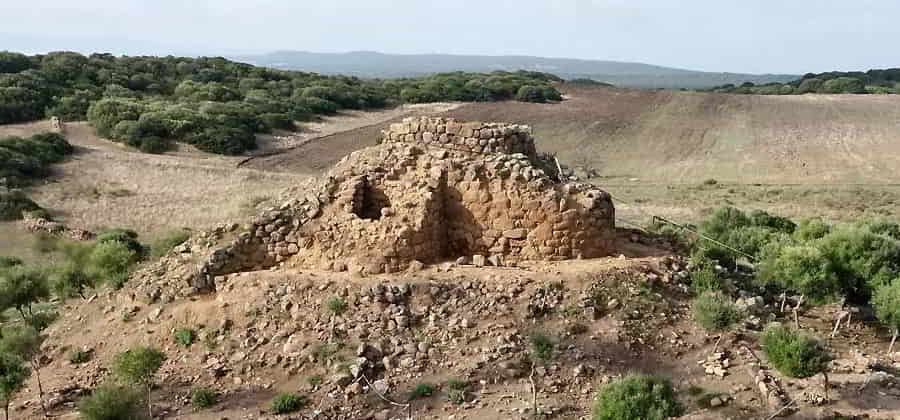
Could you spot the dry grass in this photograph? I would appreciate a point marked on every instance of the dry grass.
(107, 185)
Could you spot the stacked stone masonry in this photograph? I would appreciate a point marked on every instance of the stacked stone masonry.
(473, 137)
(481, 195)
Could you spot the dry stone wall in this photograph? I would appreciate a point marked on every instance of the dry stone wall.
(407, 202)
(476, 137)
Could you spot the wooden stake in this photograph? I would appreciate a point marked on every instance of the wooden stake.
(893, 340)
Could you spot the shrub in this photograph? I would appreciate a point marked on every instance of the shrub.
(14, 203)
(811, 229)
(288, 403)
(542, 347)
(6, 262)
(203, 397)
(704, 278)
(336, 305)
(126, 237)
(138, 365)
(13, 374)
(421, 390)
(886, 301)
(636, 397)
(69, 280)
(802, 269)
(794, 354)
(111, 262)
(861, 258)
(714, 311)
(111, 402)
(457, 391)
(22, 286)
(185, 336)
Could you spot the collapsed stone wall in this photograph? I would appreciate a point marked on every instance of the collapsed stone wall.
(408, 201)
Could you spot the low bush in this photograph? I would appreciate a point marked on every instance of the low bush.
(704, 278)
(288, 403)
(336, 305)
(636, 397)
(794, 354)
(886, 301)
(13, 204)
(805, 270)
(110, 262)
(6, 262)
(457, 391)
(542, 347)
(421, 390)
(715, 312)
(111, 402)
(203, 398)
(185, 337)
(126, 237)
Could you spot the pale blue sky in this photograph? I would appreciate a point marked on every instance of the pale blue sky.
(758, 36)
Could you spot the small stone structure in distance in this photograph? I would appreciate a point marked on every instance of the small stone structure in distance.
(431, 190)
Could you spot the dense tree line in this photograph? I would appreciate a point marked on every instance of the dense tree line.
(873, 81)
(216, 104)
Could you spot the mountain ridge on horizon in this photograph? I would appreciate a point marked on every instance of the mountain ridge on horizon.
(374, 64)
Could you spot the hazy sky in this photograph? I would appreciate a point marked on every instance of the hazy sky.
(790, 36)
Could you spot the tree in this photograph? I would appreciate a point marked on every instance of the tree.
(25, 343)
(844, 85)
(794, 354)
(21, 287)
(138, 367)
(12, 377)
(886, 301)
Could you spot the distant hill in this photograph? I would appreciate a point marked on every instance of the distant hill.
(378, 65)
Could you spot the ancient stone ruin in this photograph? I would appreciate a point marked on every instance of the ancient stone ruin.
(432, 190)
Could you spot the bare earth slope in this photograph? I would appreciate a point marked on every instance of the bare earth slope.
(685, 137)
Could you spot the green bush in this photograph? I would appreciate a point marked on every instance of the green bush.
(457, 391)
(861, 258)
(714, 311)
(126, 237)
(636, 397)
(204, 398)
(69, 280)
(6, 262)
(21, 286)
(13, 374)
(803, 269)
(137, 366)
(288, 403)
(542, 347)
(185, 336)
(886, 301)
(336, 305)
(111, 262)
(421, 390)
(168, 242)
(794, 354)
(811, 229)
(111, 402)
(704, 278)
(14, 203)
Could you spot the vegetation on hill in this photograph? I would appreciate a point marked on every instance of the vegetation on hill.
(215, 104)
(872, 81)
(23, 160)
